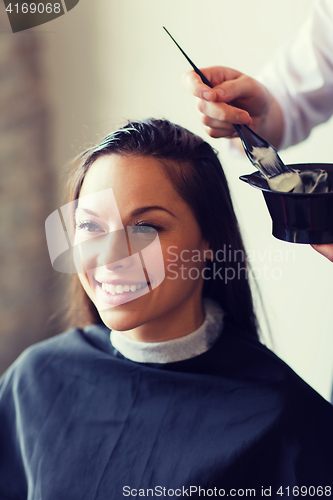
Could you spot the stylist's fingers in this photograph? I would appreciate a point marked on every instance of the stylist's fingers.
(235, 99)
(216, 128)
(216, 75)
(216, 124)
(216, 113)
(193, 83)
(243, 89)
(217, 132)
(325, 250)
(228, 84)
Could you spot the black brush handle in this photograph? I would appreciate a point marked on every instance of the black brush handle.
(202, 76)
(196, 69)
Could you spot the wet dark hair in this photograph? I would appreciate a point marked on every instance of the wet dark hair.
(197, 175)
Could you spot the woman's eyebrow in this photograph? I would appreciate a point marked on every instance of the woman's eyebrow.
(141, 210)
(90, 212)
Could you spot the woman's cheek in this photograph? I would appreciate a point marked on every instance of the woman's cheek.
(86, 254)
(182, 263)
(81, 267)
(154, 262)
(176, 264)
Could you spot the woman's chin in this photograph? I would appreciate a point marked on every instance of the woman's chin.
(119, 320)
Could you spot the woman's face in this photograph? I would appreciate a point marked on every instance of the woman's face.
(128, 217)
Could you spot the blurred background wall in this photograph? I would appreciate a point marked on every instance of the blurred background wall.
(67, 83)
(26, 194)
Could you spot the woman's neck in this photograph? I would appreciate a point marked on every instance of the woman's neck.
(186, 318)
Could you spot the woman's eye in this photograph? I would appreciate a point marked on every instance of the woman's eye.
(88, 227)
(147, 229)
(143, 229)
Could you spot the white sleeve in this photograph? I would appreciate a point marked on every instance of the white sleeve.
(300, 75)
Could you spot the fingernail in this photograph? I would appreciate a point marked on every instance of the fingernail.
(207, 95)
(220, 92)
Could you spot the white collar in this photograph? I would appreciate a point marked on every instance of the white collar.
(178, 349)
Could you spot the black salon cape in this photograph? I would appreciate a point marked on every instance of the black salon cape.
(78, 421)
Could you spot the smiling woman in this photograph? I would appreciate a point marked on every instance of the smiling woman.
(173, 309)
(166, 389)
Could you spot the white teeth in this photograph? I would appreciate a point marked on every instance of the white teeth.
(118, 289)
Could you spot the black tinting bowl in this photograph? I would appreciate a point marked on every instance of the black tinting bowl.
(299, 217)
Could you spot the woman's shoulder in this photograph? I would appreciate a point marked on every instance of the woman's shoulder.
(63, 352)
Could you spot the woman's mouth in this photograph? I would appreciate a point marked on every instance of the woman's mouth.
(117, 294)
(119, 289)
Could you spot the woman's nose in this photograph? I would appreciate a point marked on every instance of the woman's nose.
(112, 249)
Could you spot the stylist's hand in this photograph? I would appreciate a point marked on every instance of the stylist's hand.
(235, 98)
(325, 250)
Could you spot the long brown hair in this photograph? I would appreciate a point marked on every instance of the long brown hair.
(197, 175)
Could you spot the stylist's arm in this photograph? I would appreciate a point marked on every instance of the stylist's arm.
(235, 98)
